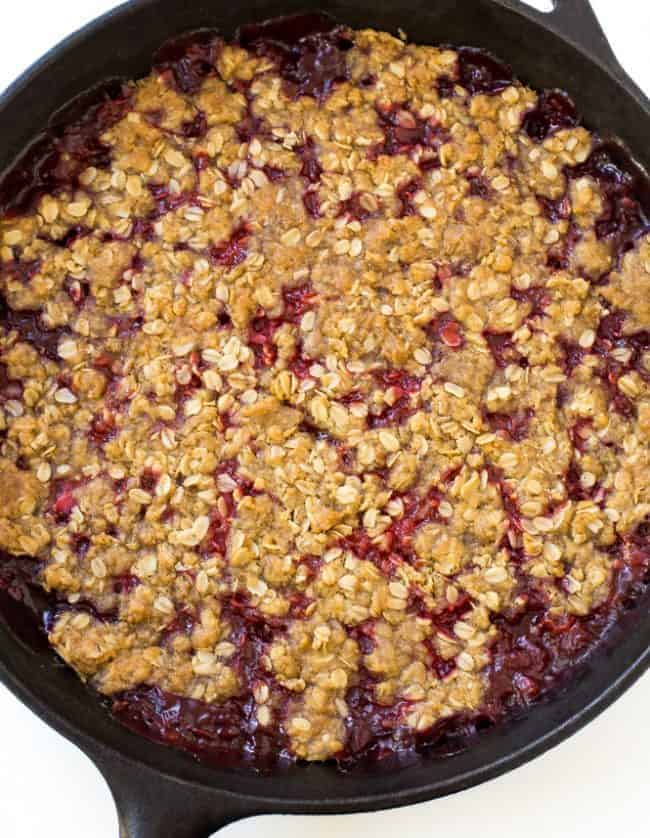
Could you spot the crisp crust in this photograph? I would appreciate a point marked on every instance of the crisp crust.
(314, 379)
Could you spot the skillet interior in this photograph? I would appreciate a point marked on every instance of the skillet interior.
(121, 44)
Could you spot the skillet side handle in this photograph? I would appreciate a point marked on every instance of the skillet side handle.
(576, 20)
(151, 806)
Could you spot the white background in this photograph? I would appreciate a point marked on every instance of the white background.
(594, 785)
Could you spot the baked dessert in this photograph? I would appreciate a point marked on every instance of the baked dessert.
(324, 376)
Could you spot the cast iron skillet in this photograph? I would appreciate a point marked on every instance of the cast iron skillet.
(161, 792)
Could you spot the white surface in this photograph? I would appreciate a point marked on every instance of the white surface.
(591, 786)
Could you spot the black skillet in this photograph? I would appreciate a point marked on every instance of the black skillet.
(161, 792)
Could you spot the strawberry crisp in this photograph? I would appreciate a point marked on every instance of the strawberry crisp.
(324, 392)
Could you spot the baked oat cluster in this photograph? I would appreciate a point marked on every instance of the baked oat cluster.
(325, 391)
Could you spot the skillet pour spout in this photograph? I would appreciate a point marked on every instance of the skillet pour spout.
(162, 792)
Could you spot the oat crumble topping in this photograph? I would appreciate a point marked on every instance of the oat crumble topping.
(319, 391)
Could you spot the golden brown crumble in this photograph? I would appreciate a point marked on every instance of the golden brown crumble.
(312, 375)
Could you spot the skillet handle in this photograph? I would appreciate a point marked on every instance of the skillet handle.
(576, 21)
(152, 806)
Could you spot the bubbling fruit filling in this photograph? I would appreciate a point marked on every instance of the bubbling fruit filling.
(324, 393)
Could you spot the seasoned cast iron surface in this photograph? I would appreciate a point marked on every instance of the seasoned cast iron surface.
(534, 653)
